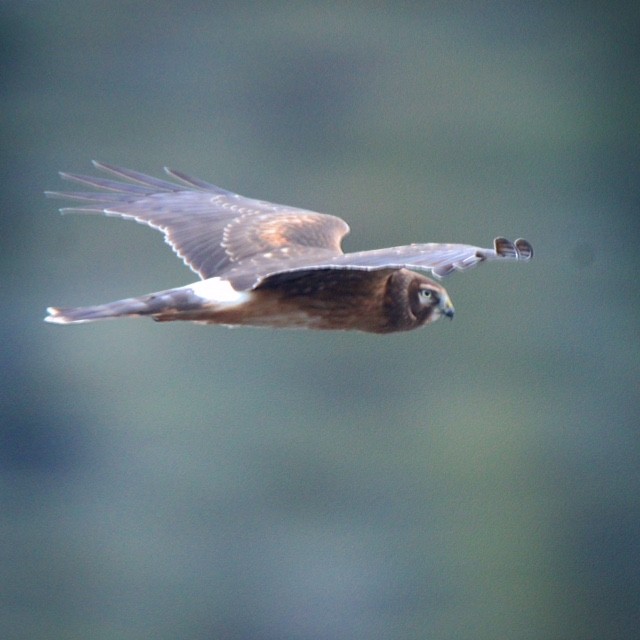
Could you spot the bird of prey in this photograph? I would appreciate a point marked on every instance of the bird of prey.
(271, 265)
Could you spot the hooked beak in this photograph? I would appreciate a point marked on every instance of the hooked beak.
(446, 308)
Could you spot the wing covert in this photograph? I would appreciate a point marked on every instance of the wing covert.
(438, 258)
(210, 228)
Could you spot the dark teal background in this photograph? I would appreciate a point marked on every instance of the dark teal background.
(473, 480)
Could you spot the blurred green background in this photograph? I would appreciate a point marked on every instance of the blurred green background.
(475, 479)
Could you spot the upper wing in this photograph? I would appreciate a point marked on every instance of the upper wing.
(439, 259)
(209, 228)
(216, 231)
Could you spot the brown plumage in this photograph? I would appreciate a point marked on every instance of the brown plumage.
(264, 264)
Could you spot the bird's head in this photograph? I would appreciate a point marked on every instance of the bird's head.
(429, 300)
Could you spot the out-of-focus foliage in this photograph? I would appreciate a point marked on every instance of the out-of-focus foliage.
(476, 479)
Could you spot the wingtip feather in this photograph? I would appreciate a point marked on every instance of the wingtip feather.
(521, 249)
(525, 250)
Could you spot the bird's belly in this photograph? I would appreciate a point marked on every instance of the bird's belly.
(219, 303)
(266, 311)
(265, 314)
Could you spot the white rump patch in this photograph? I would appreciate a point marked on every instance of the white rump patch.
(219, 292)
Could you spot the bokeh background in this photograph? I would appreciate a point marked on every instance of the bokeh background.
(475, 479)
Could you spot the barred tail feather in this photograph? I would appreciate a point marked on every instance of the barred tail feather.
(119, 309)
(195, 302)
(164, 305)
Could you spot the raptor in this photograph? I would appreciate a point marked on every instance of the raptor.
(271, 265)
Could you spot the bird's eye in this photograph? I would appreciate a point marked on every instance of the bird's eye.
(426, 294)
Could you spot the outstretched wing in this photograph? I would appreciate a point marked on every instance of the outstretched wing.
(249, 241)
(439, 259)
(210, 228)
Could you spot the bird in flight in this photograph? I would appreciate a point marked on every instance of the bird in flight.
(271, 265)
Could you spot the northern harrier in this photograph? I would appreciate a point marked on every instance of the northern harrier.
(265, 264)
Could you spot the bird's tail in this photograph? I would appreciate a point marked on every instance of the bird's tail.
(161, 306)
